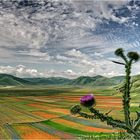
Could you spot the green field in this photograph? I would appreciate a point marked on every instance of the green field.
(44, 111)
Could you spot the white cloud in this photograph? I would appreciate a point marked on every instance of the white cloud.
(76, 57)
(101, 9)
(17, 32)
(36, 53)
(75, 53)
(97, 54)
(63, 58)
(23, 71)
(20, 71)
(70, 73)
(7, 69)
(91, 71)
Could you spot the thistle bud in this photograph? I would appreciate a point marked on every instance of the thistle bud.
(133, 56)
(119, 52)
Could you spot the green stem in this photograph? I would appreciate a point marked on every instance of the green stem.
(109, 120)
(84, 115)
(124, 58)
(114, 123)
(126, 96)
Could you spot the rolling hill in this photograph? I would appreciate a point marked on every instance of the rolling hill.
(97, 81)
(49, 81)
(85, 80)
(135, 84)
(104, 81)
(9, 80)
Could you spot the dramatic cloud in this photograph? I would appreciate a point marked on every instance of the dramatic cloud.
(20, 71)
(67, 37)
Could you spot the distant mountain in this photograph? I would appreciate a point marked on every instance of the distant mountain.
(49, 81)
(9, 80)
(104, 81)
(97, 81)
(85, 80)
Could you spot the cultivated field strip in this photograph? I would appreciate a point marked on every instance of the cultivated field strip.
(53, 131)
(32, 117)
(3, 133)
(27, 131)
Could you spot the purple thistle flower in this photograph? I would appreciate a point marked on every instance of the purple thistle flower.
(88, 100)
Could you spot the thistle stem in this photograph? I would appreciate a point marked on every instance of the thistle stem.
(87, 115)
(109, 120)
(126, 96)
(113, 122)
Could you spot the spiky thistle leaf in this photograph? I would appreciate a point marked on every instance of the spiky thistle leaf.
(75, 109)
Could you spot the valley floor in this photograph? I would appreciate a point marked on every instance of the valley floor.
(48, 116)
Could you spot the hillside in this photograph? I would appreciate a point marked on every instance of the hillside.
(136, 84)
(104, 81)
(49, 81)
(9, 80)
(97, 81)
(135, 80)
(85, 80)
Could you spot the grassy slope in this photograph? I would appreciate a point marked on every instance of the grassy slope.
(9, 80)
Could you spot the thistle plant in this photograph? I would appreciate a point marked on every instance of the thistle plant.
(131, 126)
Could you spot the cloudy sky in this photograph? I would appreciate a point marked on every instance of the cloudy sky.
(69, 38)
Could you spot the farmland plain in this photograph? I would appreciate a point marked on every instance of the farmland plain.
(42, 112)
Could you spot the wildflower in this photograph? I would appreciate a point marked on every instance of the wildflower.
(88, 100)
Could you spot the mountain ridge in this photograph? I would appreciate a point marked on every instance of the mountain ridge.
(7, 79)
(10, 80)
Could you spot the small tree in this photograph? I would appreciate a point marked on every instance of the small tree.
(131, 126)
